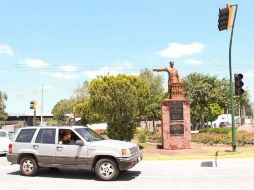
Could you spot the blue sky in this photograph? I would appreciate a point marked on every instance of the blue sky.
(60, 44)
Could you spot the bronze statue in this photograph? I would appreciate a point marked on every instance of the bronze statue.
(173, 78)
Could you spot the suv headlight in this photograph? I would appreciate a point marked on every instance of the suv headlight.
(126, 152)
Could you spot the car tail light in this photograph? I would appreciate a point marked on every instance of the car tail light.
(10, 149)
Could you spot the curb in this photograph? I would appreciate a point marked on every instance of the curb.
(199, 157)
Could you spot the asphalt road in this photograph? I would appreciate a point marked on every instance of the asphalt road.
(229, 174)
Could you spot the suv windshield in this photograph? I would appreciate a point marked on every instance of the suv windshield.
(89, 134)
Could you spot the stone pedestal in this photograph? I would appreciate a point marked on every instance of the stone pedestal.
(176, 125)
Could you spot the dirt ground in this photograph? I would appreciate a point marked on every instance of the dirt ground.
(197, 149)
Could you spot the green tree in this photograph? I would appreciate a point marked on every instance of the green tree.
(3, 98)
(82, 107)
(211, 97)
(121, 101)
(87, 114)
(153, 107)
(155, 83)
(62, 108)
(242, 101)
(213, 111)
(81, 93)
(202, 90)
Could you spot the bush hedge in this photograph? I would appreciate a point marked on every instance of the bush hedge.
(142, 137)
(222, 136)
(216, 130)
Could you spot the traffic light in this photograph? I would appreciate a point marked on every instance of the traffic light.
(225, 15)
(33, 105)
(238, 84)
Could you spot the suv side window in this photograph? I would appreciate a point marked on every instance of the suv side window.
(67, 136)
(25, 135)
(46, 136)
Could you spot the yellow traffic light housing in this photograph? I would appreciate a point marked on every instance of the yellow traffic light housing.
(34, 105)
(230, 10)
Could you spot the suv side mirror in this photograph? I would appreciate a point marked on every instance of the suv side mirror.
(79, 142)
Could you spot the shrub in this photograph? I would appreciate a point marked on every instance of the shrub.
(142, 137)
(221, 137)
(216, 130)
(154, 137)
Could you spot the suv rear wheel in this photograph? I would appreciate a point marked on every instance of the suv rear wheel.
(106, 169)
(28, 166)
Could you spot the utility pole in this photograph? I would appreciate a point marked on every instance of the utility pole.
(41, 105)
(225, 15)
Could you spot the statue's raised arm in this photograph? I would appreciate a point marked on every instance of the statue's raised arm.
(160, 69)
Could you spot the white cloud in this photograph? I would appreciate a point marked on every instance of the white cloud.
(68, 68)
(59, 75)
(6, 50)
(175, 49)
(35, 63)
(193, 62)
(248, 74)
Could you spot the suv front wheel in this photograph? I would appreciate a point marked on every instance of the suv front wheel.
(106, 169)
(28, 166)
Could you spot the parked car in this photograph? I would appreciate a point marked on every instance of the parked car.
(224, 124)
(71, 147)
(4, 141)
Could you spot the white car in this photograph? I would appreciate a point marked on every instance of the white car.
(4, 141)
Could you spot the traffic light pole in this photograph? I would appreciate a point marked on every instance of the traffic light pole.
(231, 85)
(34, 118)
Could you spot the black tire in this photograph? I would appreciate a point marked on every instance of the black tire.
(107, 169)
(29, 166)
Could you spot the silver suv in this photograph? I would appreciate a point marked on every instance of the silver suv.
(71, 147)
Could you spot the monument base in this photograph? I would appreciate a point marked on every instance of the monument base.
(176, 125)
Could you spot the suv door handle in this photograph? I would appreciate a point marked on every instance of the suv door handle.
(35, 146)
(59, 147)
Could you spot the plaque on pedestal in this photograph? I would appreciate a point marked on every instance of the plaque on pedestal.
(176, 130)
(176, 111)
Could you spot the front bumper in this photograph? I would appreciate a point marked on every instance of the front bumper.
(126, 163)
